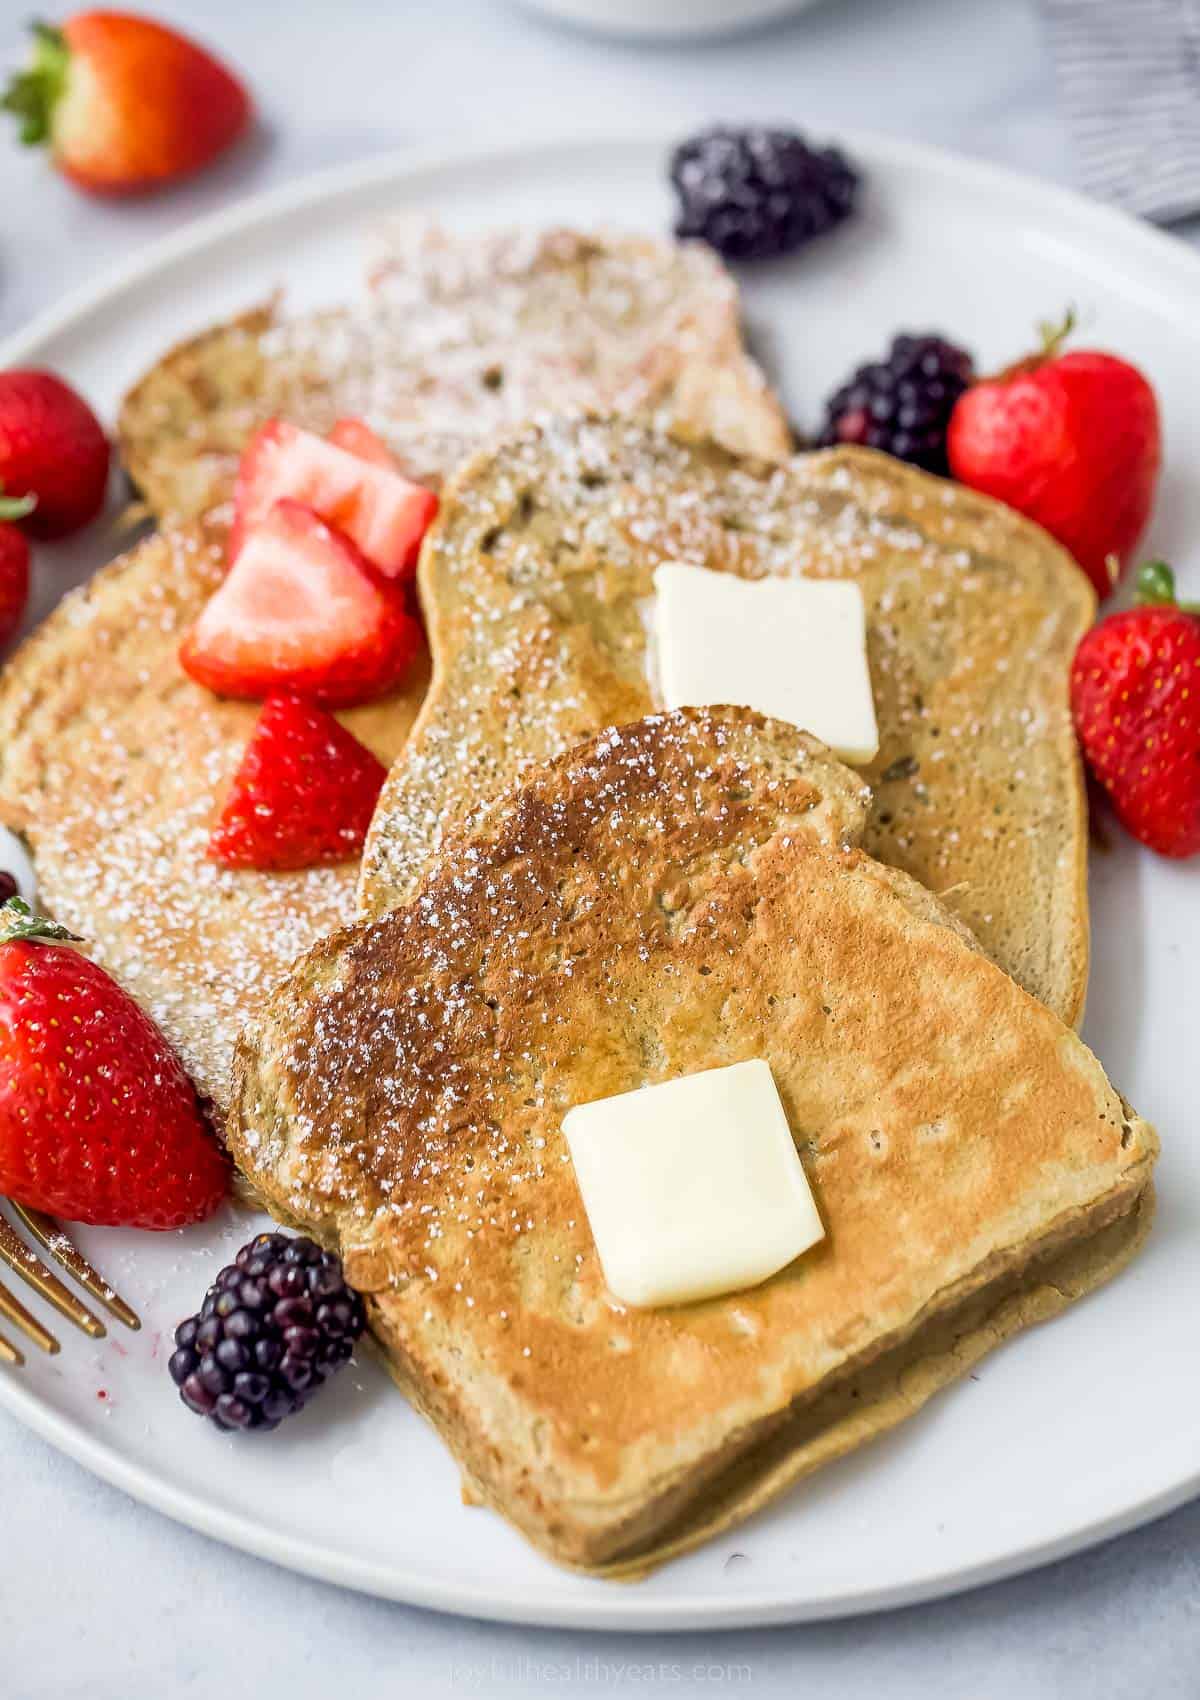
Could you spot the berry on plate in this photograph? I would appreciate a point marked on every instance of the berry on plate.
(14, 567)
(304, 793)
(1070, 440)
(274, 1325)
(380, 511)
(902, 403)
(756, 194)
(1135, 695)
(125, 104)
(301, 609)
(53, 448)
(98, 1121)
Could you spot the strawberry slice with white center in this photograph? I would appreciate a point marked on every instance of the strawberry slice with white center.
(381, 512)
(302, 609)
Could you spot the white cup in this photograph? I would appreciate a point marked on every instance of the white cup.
(667, 19)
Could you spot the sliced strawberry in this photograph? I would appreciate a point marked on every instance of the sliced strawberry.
(301, 609)
(380, 511)
(304, 793)
(357, 438)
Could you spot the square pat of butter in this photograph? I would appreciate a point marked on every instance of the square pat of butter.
(693, 1187)
(794, 648)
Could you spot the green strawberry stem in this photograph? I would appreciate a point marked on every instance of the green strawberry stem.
(18, 921)
(15, 507)
(1054, 335)
(33, 94)
(1156, 585)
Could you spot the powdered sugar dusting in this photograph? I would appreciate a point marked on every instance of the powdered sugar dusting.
(538, 581)
(433, 1015)
(460, 338)
(115, 764)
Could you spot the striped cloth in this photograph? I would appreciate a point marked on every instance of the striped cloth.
(1129, 80)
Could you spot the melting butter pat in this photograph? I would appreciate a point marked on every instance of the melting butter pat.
(794, 648)
(692, 1188)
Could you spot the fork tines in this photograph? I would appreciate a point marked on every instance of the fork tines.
(24, 1261)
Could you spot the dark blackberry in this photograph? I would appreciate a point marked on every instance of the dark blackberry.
(755, 194)
(273, 1325)
(902, 404)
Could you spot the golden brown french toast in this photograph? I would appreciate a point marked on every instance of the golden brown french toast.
(536, 581)
(114, 766)
(677, 894)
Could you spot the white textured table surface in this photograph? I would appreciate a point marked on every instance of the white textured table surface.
(102, 1599)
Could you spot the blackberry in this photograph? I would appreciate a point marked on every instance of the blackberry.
(273, 1325)
(755, 194)
(902, 404)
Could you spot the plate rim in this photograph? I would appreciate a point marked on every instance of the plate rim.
(334, 182)
(607, 1608)
(611, 1607)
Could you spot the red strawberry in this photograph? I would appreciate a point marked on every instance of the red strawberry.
(98, 1121)
(380, 511)
(304, 793)
(302, 610)
(124, 103)
(357, 438)
(1135, 695)
(51, 447)
(14, 565)
(1072, 441)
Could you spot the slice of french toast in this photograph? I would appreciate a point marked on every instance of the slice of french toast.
(462, 336)
(537, 580)
(114, 766)
(674, 895)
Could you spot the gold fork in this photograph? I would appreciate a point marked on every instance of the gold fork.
(24, 1261)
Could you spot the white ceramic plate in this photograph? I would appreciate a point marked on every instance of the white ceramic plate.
(1074, 1431)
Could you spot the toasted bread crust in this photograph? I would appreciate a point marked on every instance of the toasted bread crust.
(535, 582)
(856, 1410)
(675, 894)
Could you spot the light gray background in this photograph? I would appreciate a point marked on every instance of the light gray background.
(104, 1599)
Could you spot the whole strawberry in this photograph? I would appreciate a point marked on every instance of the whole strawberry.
(1070, 440)
(124, 103)
(1135, 695)
(14, 565)
(98, 1121)
(53, 448)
